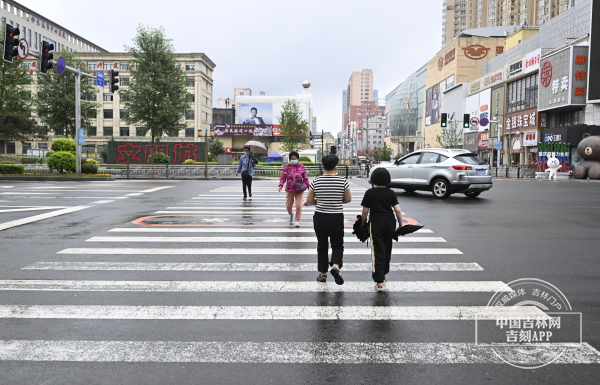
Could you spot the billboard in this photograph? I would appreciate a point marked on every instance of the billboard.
(432, 105)
(243, 130)
(563, 79)
(264, 113)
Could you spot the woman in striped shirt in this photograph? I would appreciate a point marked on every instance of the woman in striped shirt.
(328, 192)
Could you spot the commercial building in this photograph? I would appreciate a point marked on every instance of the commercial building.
(461, 15)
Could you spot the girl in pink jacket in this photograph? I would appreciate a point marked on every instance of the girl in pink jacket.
(294, 177)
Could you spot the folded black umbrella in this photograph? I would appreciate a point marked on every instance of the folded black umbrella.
(407, 229)
(362, 233)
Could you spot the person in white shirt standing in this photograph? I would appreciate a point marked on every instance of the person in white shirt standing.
(328, 192)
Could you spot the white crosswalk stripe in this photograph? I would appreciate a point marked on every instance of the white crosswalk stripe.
(247, 239)
(284, 267)
(243, 251)
(230, 230)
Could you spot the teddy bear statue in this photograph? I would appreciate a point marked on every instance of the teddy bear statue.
(589, 150)
(553, 166)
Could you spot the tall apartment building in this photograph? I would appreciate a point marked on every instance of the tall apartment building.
(460, 15)
(35, 29)
(358, 92)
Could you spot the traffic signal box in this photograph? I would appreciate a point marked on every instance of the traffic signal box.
(113, 81)
(444, 119)
(11, 41)
(466, 121)
(46, 56)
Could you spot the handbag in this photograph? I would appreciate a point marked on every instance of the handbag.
(299, 184)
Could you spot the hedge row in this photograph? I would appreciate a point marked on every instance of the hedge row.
(12, 169)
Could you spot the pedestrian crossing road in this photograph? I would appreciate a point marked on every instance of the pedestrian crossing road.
(214, 279)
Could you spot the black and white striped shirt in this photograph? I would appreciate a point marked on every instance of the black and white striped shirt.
(329, 192)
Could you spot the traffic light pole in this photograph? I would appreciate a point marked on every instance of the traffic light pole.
(78, 74)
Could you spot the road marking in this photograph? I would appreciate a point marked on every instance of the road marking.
(282, 213)
(30, 208)
(102, 202)
(25, 193)
(366, 313)
(275, 352)
(165, 266)
(236, 239)
(244, 251)
(251, 286)
(156, 189)
(232, 230)
(35, 218)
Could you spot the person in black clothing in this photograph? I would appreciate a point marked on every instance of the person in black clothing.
(381, 203)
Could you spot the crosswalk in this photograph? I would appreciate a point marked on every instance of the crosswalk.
(215, 257)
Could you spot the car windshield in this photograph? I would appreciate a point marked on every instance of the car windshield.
(469, 159)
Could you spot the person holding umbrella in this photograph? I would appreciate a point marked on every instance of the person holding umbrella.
(246, 167)
(294, 177)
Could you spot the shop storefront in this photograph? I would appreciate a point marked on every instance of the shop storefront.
(570, 136)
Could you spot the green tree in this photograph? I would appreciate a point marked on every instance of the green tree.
(157, 98)
(382, 154)
(294, 129)
(215, 148)
(16, 107)
(451, 137)
(55, 98)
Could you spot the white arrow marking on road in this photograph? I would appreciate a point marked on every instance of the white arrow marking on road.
(245, 251)
(367, 313)
(211, 239)
(285, 267)
(276, 352)
(252, 286)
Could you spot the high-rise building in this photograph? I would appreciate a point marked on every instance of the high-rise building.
(461, 15)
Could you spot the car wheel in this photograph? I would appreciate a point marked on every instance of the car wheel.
(440, 189)
(409, 190)
(473, 194)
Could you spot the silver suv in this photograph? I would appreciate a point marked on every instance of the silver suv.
(441, 171)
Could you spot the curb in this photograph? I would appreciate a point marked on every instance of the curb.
(58, 178)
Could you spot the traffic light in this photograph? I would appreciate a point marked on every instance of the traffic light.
(466, 121)
(46, 56)
(11, 41)
(444, 119)
(113, 81)
(333, 150)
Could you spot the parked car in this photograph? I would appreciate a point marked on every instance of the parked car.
(441, 171)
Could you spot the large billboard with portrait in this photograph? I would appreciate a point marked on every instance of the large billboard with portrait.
(264, 113)
(244, 130)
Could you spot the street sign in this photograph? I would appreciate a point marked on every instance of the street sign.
(498, 145)
(316, 136)
(484, 122)
(80, 136)
(23, 49)
(100, 78)
(61, 64)
(474, 121)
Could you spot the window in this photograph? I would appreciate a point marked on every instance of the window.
(108, 97)
(241, 94)
(124, 82)
(108, 66)
(189, 132)
(91, 65)
(35, 40)
(191, 98)
(190, 67)
(107, 131)
(59, 132)
(124, 131)
(92, 131)
(92, 97)
(192, 83)
(124, 114)
(412, 159)
(139, 131)
(174, 133)
(124, 66)
(429, 157)
(190, 115)
(108, 113)
(522, 93)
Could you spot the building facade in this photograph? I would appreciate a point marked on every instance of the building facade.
(35, 29)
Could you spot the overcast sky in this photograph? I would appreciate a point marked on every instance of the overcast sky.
(273, 45)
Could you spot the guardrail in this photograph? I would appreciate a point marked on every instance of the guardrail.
(175, 171)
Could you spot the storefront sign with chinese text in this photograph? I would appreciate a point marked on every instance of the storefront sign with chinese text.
(563, 79)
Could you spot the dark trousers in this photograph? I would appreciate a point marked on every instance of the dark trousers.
(382, 233)
(246, 182)
(329, 227)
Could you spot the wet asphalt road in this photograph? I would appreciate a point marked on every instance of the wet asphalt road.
(519, 229)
